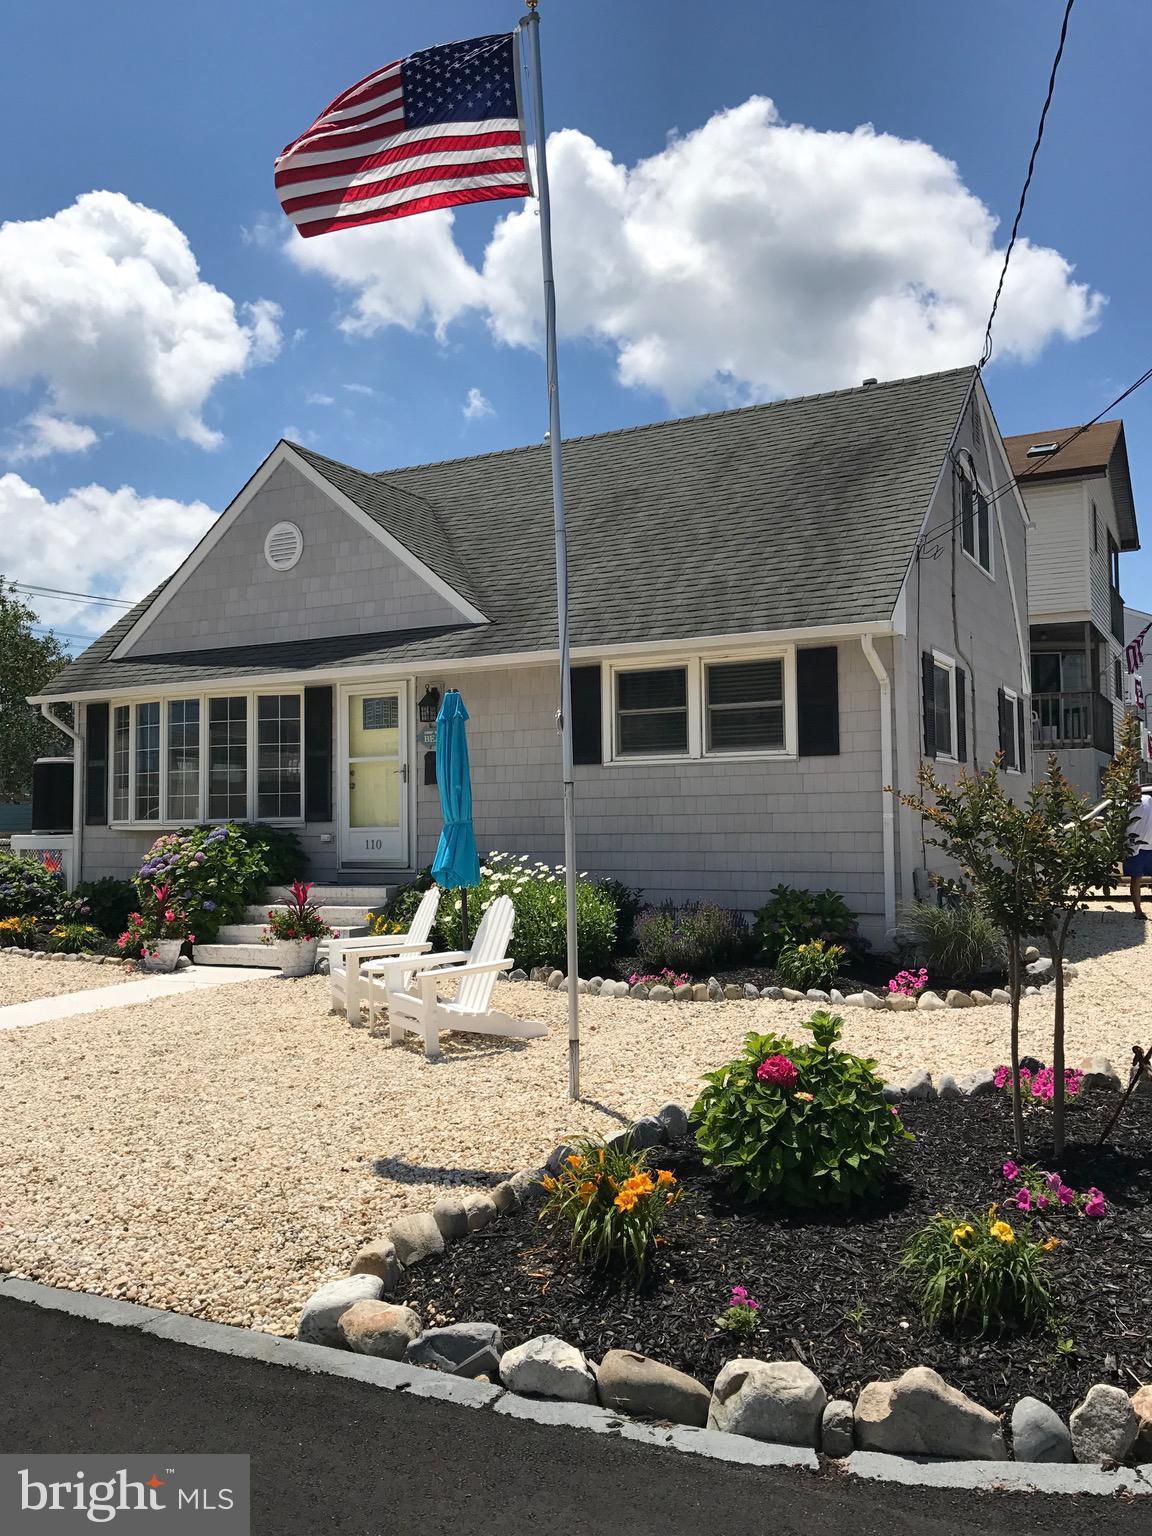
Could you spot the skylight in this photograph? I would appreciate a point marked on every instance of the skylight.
(1039, 448)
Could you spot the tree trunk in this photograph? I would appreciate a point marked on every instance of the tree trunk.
(1014, 1045)
(1056, 948)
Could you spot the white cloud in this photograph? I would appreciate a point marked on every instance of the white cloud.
(477, 405)
(315, 399)
(360, 389)
(117, 543)
(41, 435)
(103, 302)
(409, 273)
(749, 258)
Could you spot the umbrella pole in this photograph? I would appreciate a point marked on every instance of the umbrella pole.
(463, 917)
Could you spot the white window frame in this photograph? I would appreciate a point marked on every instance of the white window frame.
(976, 487)
(165, 823)
(948, 663)
(1013, 698)
(695, 666)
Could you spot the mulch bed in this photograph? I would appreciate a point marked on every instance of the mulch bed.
(830, 1291)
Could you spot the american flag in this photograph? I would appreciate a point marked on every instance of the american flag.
(441, 127)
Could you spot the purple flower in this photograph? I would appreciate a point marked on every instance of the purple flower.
(209, 906)
(199, 857)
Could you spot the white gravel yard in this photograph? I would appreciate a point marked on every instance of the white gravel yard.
(23, 980)
(225, 1152)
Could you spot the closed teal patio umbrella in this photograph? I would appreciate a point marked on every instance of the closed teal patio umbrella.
(457, 864)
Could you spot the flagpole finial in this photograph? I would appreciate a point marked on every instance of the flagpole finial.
(531, 4)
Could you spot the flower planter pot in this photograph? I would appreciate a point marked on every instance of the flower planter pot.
(296, 957)
(167, 952)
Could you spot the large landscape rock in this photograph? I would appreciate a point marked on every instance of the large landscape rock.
(451, 1216)
(1099, 1074)
(504, 1197)
(780, 1401)
(957, 999)
(481, 1210)
(548, 1367)
(463, 1349)
(919, 1414)
(379, 1259)
(674, 1119)
(1142, 1408)
(978, 1084)
(379, 1328)
(1104, 1426)
(416, 1238)
(632, 1383)
(320, 1319)
(1039, 1433)
(919, 1086)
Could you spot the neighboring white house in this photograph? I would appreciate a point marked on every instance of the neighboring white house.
(776, 613)
(1138, 674)
(1083, 517)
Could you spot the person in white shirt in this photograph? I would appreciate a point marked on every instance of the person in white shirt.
(1138, 863)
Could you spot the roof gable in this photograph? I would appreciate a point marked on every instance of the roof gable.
(1100, 449)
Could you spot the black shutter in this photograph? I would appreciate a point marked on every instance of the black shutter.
(52, 794)
(961, 678)
(1004, 728)
(818, 701)
(96, 765)
(318, 754)
(1021, 759)
(927, 671)
(586, 716)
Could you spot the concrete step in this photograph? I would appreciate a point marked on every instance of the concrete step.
(251, 933)
(261, 955)
(360, 896)
(336, 916)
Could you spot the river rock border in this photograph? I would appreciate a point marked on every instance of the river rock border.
(1036, 966)
(58, 955)
(780, 1403)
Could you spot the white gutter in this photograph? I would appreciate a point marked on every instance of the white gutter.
(887, 801)
(77, 784)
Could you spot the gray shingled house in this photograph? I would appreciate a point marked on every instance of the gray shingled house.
(776, 611)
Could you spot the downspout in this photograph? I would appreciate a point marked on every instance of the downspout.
(78, 766)
(887, 801)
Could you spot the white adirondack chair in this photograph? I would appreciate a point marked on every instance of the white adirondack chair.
(415, 1005)
(346, 956)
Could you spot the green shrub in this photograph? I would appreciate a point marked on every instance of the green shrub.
(76, 938)
(612, 1203)
(798, 1125)
(792, 916)
(402, 907)
(628, 900)
(696, 938)
(106, 903)
(954, 940)
(214, 872)
(980, 1272)
(539, 934)
(810, 965)
(27, 889)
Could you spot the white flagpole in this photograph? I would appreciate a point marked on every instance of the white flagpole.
(531, 23)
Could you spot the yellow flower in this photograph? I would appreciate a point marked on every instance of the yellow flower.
(1002, 1232)
(548, 1182)
(963, 1234)
(626, 1199)
(575, 1162)
(587, 1190)
(665, 1176)
(640, 1184)
(1052, 1242)
(805, 1098)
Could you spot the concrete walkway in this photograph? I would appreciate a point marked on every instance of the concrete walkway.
(69, 1005)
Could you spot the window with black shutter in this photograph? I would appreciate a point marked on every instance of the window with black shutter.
(587, 719)
(818, 701)
(744, 706)
(652, 712)
(945, 715)
(1010, 710)
(96, 765)
(318, 754)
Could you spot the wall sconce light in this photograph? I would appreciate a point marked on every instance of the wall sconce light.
(429, 706)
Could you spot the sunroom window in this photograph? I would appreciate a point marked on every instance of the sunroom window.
(183, 759)
(148, 762)
(745, 706)
(121, 762)
(227, 759)
(278, 756)
(652, 712)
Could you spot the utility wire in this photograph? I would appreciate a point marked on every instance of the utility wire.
(986, 355)
(83, 597)
(1042, 462)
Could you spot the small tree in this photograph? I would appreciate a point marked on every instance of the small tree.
(1031, 866)
(27, 661)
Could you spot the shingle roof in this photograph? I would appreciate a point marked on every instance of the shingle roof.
(1099, 449)
(797, 513)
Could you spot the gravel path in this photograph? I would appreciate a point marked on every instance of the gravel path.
(224, 1153)
(23, 980)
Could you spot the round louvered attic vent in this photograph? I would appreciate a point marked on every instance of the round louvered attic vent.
(283, 546)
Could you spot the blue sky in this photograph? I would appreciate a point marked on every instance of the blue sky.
(183, 111)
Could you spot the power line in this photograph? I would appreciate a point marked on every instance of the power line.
(985, 356)
(59, 592)
(944, 529)
(60, 634)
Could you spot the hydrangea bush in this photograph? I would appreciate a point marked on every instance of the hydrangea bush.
(27, 889)
(792, 916)
(800, 1125)
(215, 872)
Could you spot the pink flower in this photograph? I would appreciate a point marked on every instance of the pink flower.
(1095, 1205)
(1002, 1076)
(1054, 1182)
(894, 1110)
(778, 1071)
(1024, 1198)
(1043, 1202)
(1065, 1195)
(1010, 1170)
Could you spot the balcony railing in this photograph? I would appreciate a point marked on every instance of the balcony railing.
(1081, 719)
(1116, 603)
